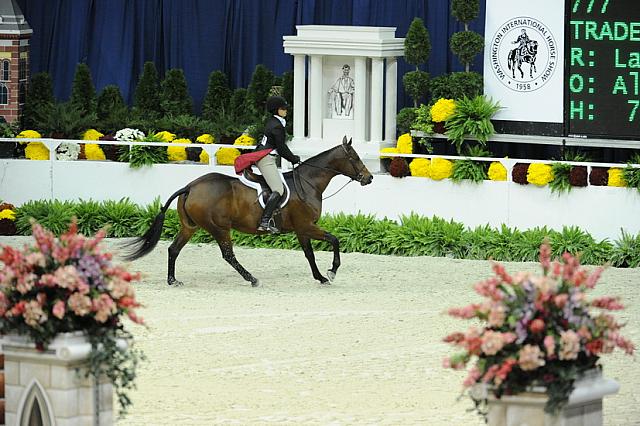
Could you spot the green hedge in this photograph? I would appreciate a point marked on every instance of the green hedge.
(413, 235)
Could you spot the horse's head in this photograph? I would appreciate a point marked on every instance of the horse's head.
(349, 163)
(532, 45)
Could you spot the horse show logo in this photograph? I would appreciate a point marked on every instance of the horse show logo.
(524, 54)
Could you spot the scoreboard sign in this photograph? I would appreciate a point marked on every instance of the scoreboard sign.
(603, 69)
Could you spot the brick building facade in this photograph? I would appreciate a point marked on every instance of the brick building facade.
(15, 35)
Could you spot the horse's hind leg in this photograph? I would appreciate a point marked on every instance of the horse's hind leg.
(179, 242)
(226, 248)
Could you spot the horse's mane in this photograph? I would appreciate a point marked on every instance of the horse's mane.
(314, 159)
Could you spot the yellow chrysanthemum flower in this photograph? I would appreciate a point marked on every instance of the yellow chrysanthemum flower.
(93, 151)
(616, 178)
(244, 139)
(442, 110)
(539, 174)
(7, 214)
(205, 138)
(92, 135)
(36, 151)
(420, 167)
(227, 156)
(405, 144)
(166, 136)
(31, 134)
(392, 150)
(177, 153)
(441, 168)
(204, 157)
(497, 171)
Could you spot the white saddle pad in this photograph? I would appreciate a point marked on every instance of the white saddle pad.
(255, 185)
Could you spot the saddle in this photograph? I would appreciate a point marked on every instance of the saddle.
(257, 182)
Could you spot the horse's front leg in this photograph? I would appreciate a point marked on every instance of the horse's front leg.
(319, 234)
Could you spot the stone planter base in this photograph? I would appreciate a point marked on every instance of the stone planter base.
(51, 384)
(584, 407)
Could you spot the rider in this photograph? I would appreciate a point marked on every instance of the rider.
(274, 139)
(522, 41)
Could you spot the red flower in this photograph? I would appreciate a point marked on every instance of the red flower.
(536, 326)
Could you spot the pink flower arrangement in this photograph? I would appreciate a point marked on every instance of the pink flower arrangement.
(539, 330)
(69, 284)
(63, 285)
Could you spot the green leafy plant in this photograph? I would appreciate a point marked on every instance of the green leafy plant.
(472, 117)
(422, 121)
(216, 101)
(626, 253)
(466, 45)
(258, 91)
(560, 182)
(121, 216)
(140, 156)
(473, 170)
(64, 120)
(632, 174)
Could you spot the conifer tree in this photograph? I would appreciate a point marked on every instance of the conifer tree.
(109, 101)
(83, 93)
(258, 90)
(216, 101)
(39, 100)
(174, 95)
(146, 102)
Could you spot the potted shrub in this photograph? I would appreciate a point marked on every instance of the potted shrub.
(472, 117)
(540, 338)
(417, 48)
(63, 305)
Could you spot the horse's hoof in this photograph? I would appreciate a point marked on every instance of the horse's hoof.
(175, 283)
(331, 275)
(255, 283)
(325, 281)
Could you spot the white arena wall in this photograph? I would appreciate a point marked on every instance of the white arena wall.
(601, 211)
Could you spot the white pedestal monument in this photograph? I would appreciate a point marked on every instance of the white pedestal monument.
(352, 88)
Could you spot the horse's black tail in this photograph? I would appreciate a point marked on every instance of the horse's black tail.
(143, 245)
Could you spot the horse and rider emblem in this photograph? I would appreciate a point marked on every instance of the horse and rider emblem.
(524, 54)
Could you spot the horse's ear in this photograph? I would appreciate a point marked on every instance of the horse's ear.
(349, 142)
(344, 140)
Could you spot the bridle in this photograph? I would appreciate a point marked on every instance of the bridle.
(358, 173)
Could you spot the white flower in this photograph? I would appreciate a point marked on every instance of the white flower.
(68, 151)
(129, 135)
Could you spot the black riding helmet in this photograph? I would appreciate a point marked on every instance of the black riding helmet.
(274, 103)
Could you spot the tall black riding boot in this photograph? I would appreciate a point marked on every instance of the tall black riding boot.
(269, 208)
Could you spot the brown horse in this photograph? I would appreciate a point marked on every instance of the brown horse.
(217, 203)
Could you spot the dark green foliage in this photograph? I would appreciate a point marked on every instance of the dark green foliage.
(422, 121)
(456, 85)
(465, 11)
(218, 97)
(174, 94)
(631, 175)
(417, 44)
(83, 93)
(140, 156)
(560, 182)
(413, 235)
(39, 98)
(466, 45)
(475, 171)
(109, 100)
(287, 88)
(472, 117)
(626, 252)
(146, 103)
(258, 90)
(405, 119)
(64, 120)
(416, 84)
(183, 126)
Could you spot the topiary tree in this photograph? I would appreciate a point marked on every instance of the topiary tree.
(146, 101)
(216, 101)
(174, 95)
(39, 99)
(83, 93)
(258, 91)
(466, 44)
(417, 47)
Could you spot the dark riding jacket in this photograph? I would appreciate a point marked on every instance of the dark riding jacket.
(276, 139)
